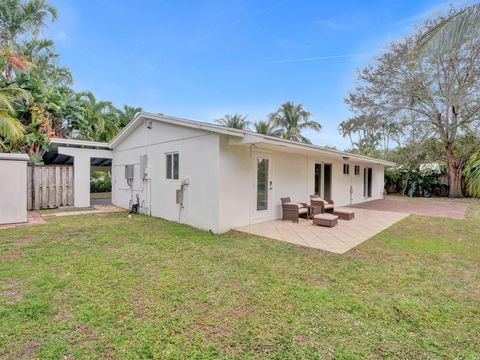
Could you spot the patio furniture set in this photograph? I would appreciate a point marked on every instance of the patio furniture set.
(321, 212)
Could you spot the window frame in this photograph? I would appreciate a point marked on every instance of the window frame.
(346, 166)
(357, 167)
(170, 173)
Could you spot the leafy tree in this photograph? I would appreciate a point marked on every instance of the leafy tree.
(17, 19)
(292, 119)
(126, 114)
(438, 98)
(372, 133)
(36, 98)
(235, 121)
(267, 127)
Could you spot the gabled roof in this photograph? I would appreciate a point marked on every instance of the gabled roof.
(243, 136)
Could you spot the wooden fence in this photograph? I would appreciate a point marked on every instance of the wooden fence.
(49, 186)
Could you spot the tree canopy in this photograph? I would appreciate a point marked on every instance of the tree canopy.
(435, 99)
(36, 96)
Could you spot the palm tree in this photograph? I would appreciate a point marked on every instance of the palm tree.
(100, 120)
(347, 128)
(268, 128)
(11, 98)
(293, 119)
(235, 121)
(127, 114)
(18, 18)
(451, 33)
(472, 174)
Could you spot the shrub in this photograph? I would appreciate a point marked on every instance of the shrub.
(100, 181)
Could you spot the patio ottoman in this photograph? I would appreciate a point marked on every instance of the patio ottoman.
(344, 214)
(325, 219)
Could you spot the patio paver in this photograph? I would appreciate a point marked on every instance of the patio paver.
(420, 206)
(339, 239)
(98, 209)
(33, 218)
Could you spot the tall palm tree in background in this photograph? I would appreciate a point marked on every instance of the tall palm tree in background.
(293, 119)
(100, 118)
(447, 37)
(267, 127)
(236, 121)
(16, 20)
(11, 98)
(126, 114)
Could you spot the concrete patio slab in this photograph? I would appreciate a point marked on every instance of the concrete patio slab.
(339, 239)
(419, 206)
(33, 218)
(98, 209)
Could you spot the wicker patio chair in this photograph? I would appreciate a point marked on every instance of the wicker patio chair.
(293, 211)
(320, 206)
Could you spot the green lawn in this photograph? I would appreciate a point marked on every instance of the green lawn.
(106, 286)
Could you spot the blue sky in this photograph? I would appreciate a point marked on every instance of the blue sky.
(204, 58)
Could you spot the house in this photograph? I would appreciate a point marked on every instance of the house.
(218, 178)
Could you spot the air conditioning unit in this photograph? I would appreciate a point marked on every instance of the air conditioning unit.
(129, 172)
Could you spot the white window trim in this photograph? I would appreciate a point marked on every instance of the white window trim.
(172, 153)
(343, 169)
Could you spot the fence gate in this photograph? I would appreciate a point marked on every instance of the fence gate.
(49, 186)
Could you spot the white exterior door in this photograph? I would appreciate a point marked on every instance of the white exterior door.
(263, 186)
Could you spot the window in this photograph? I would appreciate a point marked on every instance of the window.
(318, 179)
(357, 169)
(262, 184)
(346, 169)
(172, 165)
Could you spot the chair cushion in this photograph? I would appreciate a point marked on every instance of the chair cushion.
(345, 211)
(326, 216)
(292, 203)
(328, 206)
(320, 199)
(302, 210)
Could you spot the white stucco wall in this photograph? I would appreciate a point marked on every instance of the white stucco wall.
(293, 176)
(13, 188)
(221, 191)
(81, 171)
(198, 161)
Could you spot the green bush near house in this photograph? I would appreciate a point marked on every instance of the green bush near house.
(100, 181)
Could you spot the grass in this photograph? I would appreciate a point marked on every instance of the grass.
(106, 286)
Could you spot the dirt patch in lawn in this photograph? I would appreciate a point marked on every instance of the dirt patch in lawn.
(11, 291)
(13, 255)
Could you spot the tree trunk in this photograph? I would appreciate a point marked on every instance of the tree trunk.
(454, 174)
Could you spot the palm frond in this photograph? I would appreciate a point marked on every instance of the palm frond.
(472, 174)
(235, 121)
(450, 33)
(10, 127)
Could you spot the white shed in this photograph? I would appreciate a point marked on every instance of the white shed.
(218, 178)
(13, 188)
